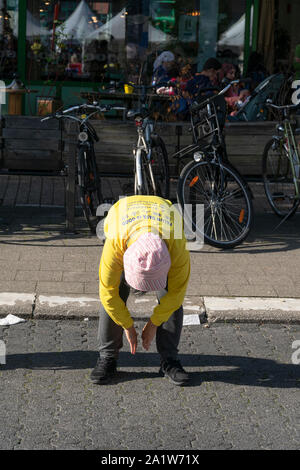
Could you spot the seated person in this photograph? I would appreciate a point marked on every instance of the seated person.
(235, 102)
(226, 75)
(74, 65)
(189, 89)
(164, 68)
(205, 79)
(179, 97)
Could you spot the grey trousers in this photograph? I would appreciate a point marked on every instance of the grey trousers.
(110, 335)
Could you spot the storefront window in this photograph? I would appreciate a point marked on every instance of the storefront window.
(74, 40)
(231, 31)
(8, 38)
(94, 41)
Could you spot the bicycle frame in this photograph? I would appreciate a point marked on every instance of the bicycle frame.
(144, 129)
(209, 119)
(288, 141)
(293, 154)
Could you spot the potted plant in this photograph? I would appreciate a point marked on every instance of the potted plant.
(50, 98)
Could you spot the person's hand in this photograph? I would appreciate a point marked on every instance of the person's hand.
(131, 336)
(149, 332)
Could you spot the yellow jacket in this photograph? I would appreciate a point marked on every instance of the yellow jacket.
(125, 222)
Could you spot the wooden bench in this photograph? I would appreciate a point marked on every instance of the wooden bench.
(245, 144)
(32, 147)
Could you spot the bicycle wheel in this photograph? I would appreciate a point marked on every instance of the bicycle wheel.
(155, 173)
(89, 187)
(142, 188)
(159, 166)
(278, 179)
(227, 203)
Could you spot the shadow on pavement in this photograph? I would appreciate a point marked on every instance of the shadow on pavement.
(41, 226)
(238, 370)
(265, 237)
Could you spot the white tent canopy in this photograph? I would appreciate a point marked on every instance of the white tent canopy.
(156, 35)
(79, 25)
(114, 27)
(235, 34)
(33, 27)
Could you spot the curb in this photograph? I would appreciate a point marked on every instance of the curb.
(207, 309)
(252, 309)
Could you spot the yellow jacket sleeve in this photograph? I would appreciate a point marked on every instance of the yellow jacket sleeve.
(110, 270)
(178, 277)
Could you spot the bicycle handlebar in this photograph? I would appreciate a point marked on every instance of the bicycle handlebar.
(195, 107)
(83, 107)
(287, 106)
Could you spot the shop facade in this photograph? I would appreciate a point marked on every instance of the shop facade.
(61, 48)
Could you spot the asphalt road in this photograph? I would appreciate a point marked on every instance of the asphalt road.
(243, 394)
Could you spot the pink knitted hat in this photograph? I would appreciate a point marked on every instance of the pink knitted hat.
(146, 263)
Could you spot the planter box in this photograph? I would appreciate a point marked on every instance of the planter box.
(47, 106)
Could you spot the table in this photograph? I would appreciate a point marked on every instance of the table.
(128, 98)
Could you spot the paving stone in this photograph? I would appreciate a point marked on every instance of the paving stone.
(38, 275)
(226, 407)
(18, 286)
(80, 276)
(60, 287)
(60, 266)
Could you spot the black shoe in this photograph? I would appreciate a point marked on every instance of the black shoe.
(105, 368)
(172, 369)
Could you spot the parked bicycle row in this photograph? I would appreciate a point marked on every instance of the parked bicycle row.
(206, 176)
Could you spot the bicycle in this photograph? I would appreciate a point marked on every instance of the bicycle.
(281, 166)
(209, 179)
(151, 166)
(88, 178)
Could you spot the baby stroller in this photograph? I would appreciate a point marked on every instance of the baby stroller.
(254, 108)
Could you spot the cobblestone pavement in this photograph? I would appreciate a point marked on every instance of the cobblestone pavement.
(244, 391)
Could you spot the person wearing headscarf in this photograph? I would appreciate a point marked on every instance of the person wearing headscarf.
(164, 68)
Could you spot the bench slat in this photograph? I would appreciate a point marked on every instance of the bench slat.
(27, 144)
(31, 134)
(31, 160)
(30, 122)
